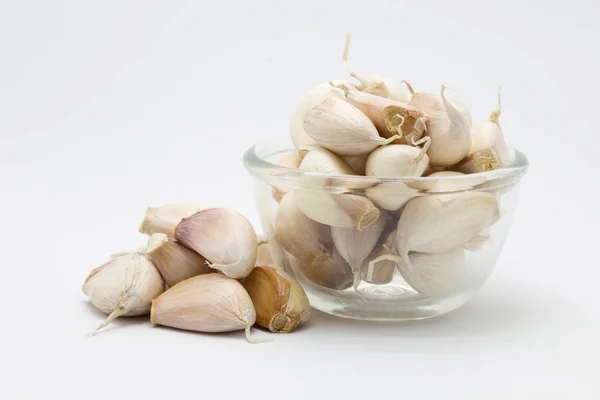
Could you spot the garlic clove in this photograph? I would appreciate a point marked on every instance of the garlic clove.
(205, 303)
(403, 119)
(341, 210)
(480, 161)
(446, 185)
(382, 272)
(174, 261)
(448, 126)
(322, 160)
(342, 128)
(484, 237)
(437, 223)
(291, 160)
(224, 237)
(165, 218)
(398, 160)
(280, 302)
(391, 196)
(357, 163)
(299, 235)
(125, 286)
(355, 246)
(434, 275)
(329, 271)
(300, 139)
(263, 255)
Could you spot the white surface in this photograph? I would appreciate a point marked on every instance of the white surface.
(109, 107)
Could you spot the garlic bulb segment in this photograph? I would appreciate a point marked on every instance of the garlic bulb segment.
(125, 286)
(205, 303)
(381, 272)
(164, 219)
(480, 161)
(299, 235)
(488, 137)
(404, 120)
(224, 237)
(484, 237)
(437, 223)
(355, 246)
(391, 196)
(342, 128)
(322, 160)
(357, 163)
(291, 160)
(433, 275)
(263, 255)
(375, 84)
(330, 271)
(300, 139)
(399, 160)
(280, 302)
(341, 210)
(442, 184)
(174, 261)
(448, 126)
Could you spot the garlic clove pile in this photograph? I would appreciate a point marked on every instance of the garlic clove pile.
(164, 219)
(342, 128)
(448, 126)
(125, 286)
(300, 139)
(205, 303)
(174, 261)
(437, 223)
(224, 237)
(280, 302)
(341, 210)
(355, 246)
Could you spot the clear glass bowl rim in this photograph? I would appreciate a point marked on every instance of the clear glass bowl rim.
(255, 162)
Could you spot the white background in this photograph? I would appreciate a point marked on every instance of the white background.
(107, 107)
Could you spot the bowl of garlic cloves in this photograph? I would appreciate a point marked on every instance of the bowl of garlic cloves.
(387, 203)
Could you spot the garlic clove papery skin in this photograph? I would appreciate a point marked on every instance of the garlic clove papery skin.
(448, 126)
(441, 184)
(322, 160)
(125, 286)
(299, 235)
(205, 303)
(224, 237)
(164, 219)
(300, 139)
(437, 223)
(355, 246)
(434, 275)
(174, 261)
(341, 210)
(342, 128)
(397, 160)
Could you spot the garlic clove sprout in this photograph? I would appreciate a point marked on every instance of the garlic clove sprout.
(205, 303)
(291, 160)
(398, 160)
(341, 210)
(299, 235)
(174, 261)
(224, 237)
(125, 286)
(434, 275)
(342, 128)
(437, 223)
(322, 160)
(164, 219)
(355, 246)
(300, 139)
(280, 302)
(448, 126)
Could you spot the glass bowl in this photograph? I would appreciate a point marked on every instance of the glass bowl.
(381, 248)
